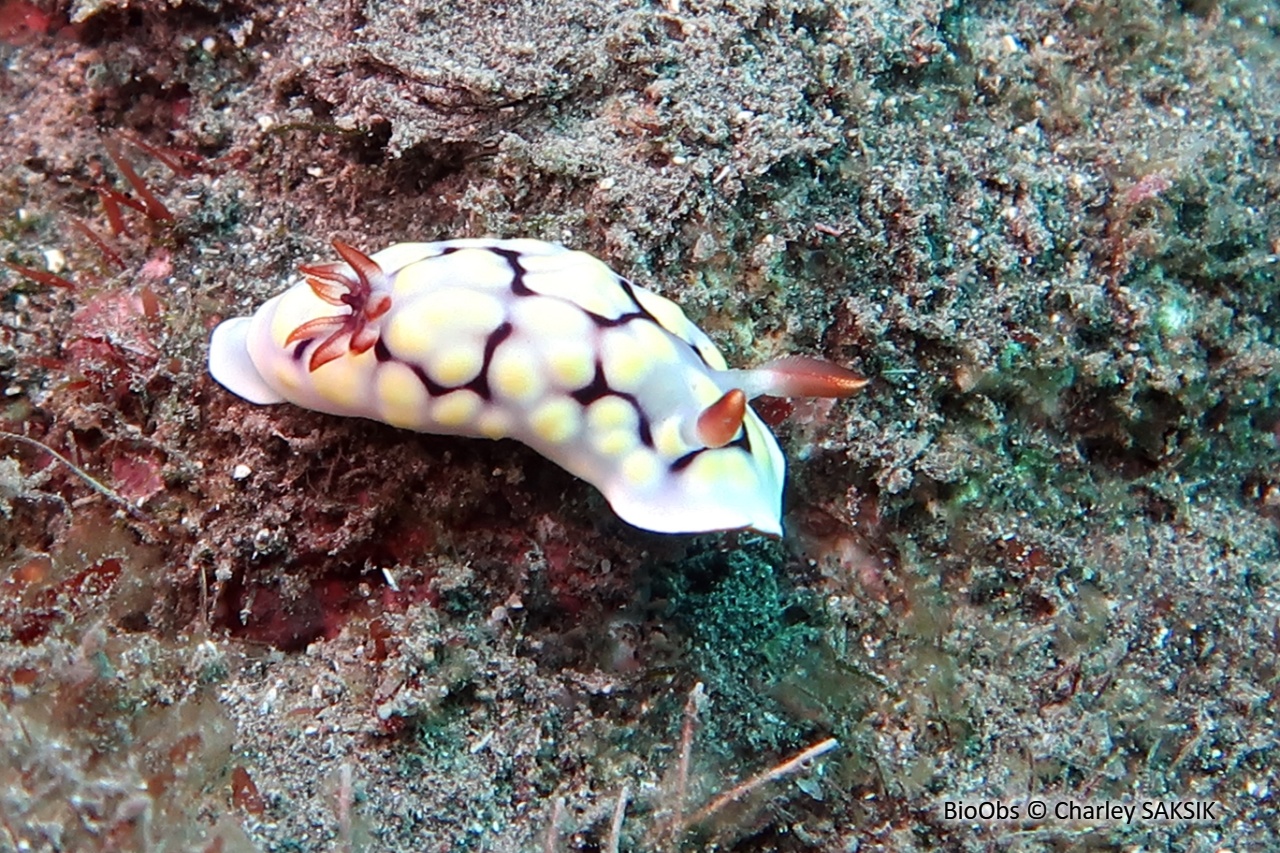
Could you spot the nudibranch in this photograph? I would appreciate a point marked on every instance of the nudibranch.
(529, 340)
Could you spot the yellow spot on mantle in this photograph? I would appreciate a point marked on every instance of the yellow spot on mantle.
(420, 327)
(494, 423)
(345, 382)
(626, 363)
(726, 470)
(286, 371)
(665, 312)
(455, 365)
(669, 441)
(456, 409)
(480, 269)
(641, 469)
(580, 279)
(401, 396)
(610, 413)
(546, 318)
(297, 305)
(557, 420)
(570, 363)
(614, 442)
(515, 375)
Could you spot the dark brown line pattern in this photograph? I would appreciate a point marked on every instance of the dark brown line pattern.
(631, 294)
(646, 433)
(519, 288)
(598, 388)
(480, 384)
(686, 460)
(434, 388)
(595, 389)
(620, 320)
(628, 288)
(741, 442)
(512, 257)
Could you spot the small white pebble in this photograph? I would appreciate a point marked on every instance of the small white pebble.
(240, 35)
(54, 260)
(315, 171)
(390, 579)
(606, 183)
(210, 44)
(265, 123)
(268, 701)
(241, 472)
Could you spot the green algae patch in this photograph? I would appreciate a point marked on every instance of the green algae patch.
(754, 641)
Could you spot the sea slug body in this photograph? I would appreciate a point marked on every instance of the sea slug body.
(528, 340)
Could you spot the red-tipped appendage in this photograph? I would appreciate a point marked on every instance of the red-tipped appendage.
(802, 376)
(335, 284)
